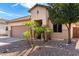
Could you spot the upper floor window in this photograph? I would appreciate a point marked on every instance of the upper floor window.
(37, 12)
(57, 27)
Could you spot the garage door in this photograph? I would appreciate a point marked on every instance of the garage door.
(76, 32)
(16, 31)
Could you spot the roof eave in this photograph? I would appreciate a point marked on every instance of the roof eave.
(38, 5)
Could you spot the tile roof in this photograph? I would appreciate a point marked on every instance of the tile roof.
(20, 19)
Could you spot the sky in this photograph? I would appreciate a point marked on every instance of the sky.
(9, 11)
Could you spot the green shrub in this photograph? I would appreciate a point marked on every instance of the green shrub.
(26, 34)
(47, 29)
(39, 30)
(31, 23)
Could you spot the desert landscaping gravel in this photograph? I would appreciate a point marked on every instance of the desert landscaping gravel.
(56, 48)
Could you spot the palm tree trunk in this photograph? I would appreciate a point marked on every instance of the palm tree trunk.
(45, 34)
(69, 34)
(33, 37)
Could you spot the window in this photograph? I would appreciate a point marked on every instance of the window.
(57, 27)
(6, 28)
(37, 12)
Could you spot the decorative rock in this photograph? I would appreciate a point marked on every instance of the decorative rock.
(67, 44)
(5, 50)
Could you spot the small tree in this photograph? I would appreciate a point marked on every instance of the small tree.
(66, 13)
(47, 33)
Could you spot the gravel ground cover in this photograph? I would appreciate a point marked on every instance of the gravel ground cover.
(51, 48)
(56, 48)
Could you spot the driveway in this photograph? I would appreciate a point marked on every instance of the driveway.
(8, 45)
(6, 40)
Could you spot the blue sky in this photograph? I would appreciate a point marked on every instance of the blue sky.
(11, 11)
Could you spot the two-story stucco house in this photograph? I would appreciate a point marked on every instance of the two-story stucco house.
(39, 13)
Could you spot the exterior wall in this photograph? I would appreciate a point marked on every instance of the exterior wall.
(63, 34)
(3, 31)
(42, 15)
(16, 29)
(73, 25)
(16, 23)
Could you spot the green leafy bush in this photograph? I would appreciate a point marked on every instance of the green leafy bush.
(39, 30)
(47, 29)
(26, 34)
(31, 23)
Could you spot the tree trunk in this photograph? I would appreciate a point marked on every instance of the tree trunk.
(33, 37)
(45, 34)
(69, 34)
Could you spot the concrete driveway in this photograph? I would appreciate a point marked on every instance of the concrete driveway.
(6, 40)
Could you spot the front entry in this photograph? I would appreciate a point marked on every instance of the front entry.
(76, 32)
(40, 24)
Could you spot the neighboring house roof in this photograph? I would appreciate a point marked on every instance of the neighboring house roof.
(3, 21)
(38, 5)
(20, 19)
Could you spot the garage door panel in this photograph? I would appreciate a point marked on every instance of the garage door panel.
(18, 30)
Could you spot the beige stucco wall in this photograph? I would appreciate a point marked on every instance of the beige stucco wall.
(19, 23)
(3, 31)
(42, 15)
(60, 35)
(16, 23)
(63, 34)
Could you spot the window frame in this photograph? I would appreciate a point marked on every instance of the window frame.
(57, 30)
(6, 28)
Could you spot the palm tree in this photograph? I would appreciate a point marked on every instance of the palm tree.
(30, 33)
(34, 30)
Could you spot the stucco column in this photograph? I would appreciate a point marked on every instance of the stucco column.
(44, 22)
(71, 32)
